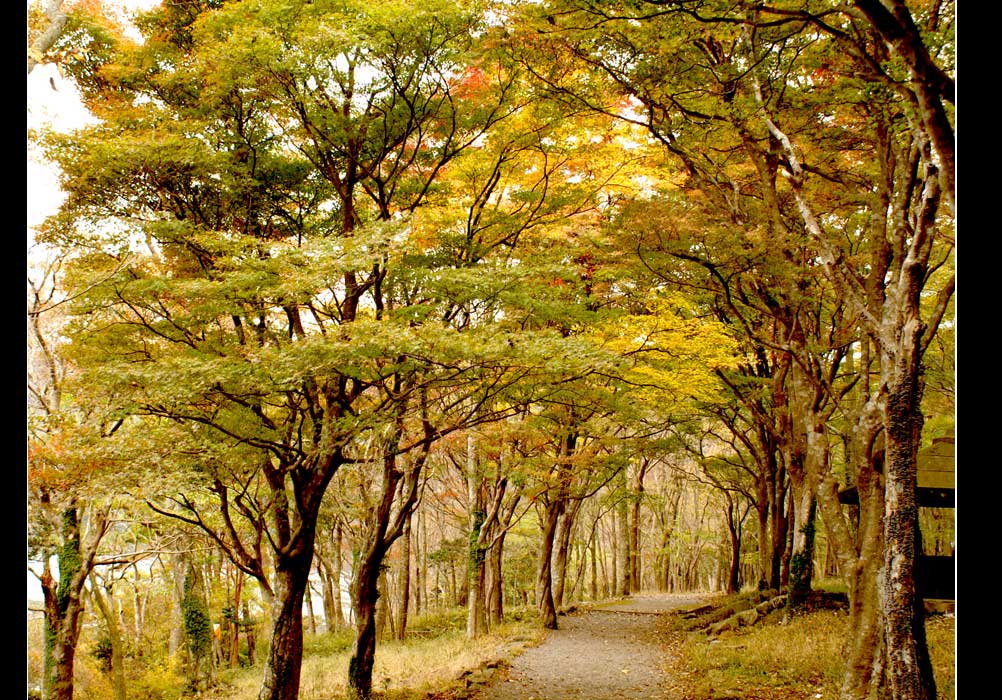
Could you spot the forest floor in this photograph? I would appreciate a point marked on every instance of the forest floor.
(614, 650)
(636, 649)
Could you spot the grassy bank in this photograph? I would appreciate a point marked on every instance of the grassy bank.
(774, 660)
(430, 661)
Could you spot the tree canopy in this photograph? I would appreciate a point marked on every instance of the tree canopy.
(309, 245)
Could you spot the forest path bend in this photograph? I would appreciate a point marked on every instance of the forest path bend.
(604, 653)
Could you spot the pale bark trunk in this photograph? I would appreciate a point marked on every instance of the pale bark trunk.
(338, 572)
(176, 620)
(311, 613)
(234, 651)
(384, 610)
(613, 547)
(635, 544)
(593, 549)
(109, 611)
(625, 586)
(197, 630)
(421, 565)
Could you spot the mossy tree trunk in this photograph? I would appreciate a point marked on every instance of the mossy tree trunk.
(197, 631)
(63, 597)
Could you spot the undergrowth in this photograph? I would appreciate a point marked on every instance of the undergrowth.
(784, 657)
(430, 660)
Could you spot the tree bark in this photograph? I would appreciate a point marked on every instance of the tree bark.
(48, 37)
(384, 526)
(636, 498)
(285, 651)
(234, 651)
(544, 578)
(495, 582)
(109, 611)
(476, 604)
(405, 579)
(565, 530)
(625, 586)
(909, 669)
(197, 630)
(860, 558)
(308, 595)
(63, 599)
(365, 593)
(734, 533)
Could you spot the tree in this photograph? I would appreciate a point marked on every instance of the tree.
(44, 38)
(288, 319)
(67, 480)
(818, 104)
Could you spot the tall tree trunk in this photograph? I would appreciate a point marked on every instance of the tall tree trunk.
(63, 599)
(495, 582)
(476, 604)
(565, 530)
(234, 651)
(421, 565)
(625, 586)
(385, 524)
(592, 548)
(308, 595)
(338, 573)
(612, 585)
(384, 609)
(909, 669)
(860, 558)
(197, 630)
(734, 533)
(544, 577)
(802, 559)
(180, 566)
(365, 593)
(765, 485)
(860, 555)
(405, 579)
(109, 611)
(636, 498)
(140, 597)
(780, 507)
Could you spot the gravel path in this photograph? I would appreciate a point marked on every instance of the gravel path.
(608, 653)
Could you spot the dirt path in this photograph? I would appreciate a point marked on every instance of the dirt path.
(612, 652)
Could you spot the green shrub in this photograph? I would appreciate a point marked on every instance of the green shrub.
(328, 643)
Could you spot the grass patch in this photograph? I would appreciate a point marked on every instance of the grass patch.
(802, 658)
(941, 635)
(430, 660)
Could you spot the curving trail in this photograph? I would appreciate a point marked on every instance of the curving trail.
(606, 653)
